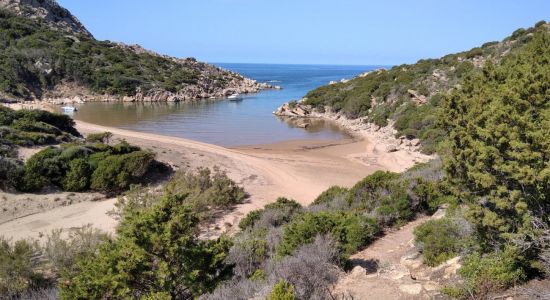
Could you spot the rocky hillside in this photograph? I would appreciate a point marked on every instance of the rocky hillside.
(49, 55)
(407, 97)
(49, 11)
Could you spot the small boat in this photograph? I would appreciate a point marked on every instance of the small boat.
(234, 96)
(69, 108)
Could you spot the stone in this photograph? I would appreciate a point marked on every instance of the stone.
(415, 142)
(391, 148)
(358, 271)
(411, 289)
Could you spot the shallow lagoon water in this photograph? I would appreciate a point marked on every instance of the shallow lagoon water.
(230, 123)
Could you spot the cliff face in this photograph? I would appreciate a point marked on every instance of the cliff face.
(49, 11)
(57, 59)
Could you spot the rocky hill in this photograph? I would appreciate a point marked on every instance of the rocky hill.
(49, 55)
(405, 99)
(49, 11)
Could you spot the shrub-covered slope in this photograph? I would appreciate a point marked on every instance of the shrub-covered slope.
(38, 58)
(411, 95)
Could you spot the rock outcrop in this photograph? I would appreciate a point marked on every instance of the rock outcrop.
(360, 127)
(50, 11)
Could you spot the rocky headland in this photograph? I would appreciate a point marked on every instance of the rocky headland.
(66, 64)
(384, 137)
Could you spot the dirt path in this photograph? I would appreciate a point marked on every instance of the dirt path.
(379, 273)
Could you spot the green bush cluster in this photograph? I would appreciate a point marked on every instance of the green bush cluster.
(81, 167)
(34, 127)
(440, 240)
(282, 211)
(352, 231)
(206, 189)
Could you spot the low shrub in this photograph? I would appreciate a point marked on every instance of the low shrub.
(19, 268)
(440, 240)
(282, 291)
(274, 214)
(103, 137)
(350, 230)
(330, 194)
(206, 189)
(484, 274)
(383, 195)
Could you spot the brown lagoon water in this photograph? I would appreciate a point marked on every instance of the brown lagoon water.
(228, 123)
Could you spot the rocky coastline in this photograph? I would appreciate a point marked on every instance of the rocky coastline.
(358, 128)
(73, 94)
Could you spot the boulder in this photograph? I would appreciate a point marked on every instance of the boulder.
(392, 147)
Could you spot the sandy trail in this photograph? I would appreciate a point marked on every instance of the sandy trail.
(295, 169)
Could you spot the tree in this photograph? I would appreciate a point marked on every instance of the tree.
(156, 253)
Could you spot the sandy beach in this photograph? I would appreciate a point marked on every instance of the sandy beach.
(295, 169)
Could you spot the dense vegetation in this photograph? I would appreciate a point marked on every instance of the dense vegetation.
(35, 58)
(75, 165)
(392, 94)
(156, 253)
(494, 178)
(28, 128)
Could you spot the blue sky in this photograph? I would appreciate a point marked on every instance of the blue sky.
(307, 31)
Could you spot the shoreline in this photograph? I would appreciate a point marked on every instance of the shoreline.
(284, 169)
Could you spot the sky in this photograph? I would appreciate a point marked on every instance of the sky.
(354, 32)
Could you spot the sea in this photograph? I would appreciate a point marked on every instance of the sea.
(249, 121)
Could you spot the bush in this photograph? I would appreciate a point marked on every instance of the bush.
(11, 171)
(116, 172)
(103, 137)
(273, 214)
(440, 240)
(282, 291)
(78, 176)
(350, 230)
(42, 168)
(18, 268)
(383, 194)
(330, 194)
(206, 189)
(491, 272)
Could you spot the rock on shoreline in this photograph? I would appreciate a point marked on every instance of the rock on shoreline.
(359, 127)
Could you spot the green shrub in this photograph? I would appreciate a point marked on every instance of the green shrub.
(330, 194)
(279, 212)
(77, 178)
(385, 195)
(11, 171)
(206, 189)
(18, 269)
(282, 291)
(103, 137)
(350, 230)
(29, 125)
(42, 168)
(492, 272)
(440, 240)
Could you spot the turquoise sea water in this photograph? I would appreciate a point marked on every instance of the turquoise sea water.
(227, 123)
